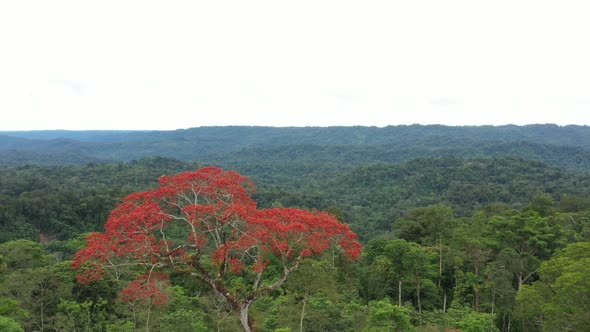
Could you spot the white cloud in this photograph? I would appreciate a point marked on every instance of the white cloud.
(177, 64)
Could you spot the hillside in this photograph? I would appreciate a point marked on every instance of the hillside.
(455, 220)
(561, 146)
(68, 200)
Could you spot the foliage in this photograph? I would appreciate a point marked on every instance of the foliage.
(121, 326)
(204, 223)
(559, 301)
(59, 203)
(468, 236)
(385, 317)
(75, 316)
(21, 254)
(9, 325)
(564, 146)
(468, 320)
(11, 308)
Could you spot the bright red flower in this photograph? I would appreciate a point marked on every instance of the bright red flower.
(207, 213)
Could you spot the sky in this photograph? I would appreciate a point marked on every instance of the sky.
(128, 64)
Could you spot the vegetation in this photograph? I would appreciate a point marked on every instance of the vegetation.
(561, 146)
(205, 225)
(478, 241)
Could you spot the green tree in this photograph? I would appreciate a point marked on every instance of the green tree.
(311, 279)
(542, 204)
(468, 320)
(183, 313)
(499, 284)
(386, 317)
(575, 226)
(400, 262)
(11, 308)
(39, 292)
(429, 226)
(560, 300)
(527, 238)
(80, 317)
(21, 254)
(8, 324)
(473, 249)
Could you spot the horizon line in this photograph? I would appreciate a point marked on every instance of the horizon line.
(310, 126)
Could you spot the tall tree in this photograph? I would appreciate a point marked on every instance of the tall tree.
(431, 226)
(400, 262)
(527, 238)
(560, 300)
(311, 279)
(204, 223)
(473, 246)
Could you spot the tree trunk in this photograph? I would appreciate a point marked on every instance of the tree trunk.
(241, 306)
(302, 314)
(399, 293)
(418, 297)
(149, 311)
(440, 252)
(244, 318)
(476, 296)
(493, 299)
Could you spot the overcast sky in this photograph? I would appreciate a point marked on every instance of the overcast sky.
(179, 64)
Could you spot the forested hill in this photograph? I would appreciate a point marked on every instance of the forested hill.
(567, 146)
(64, 201)
(470, 228)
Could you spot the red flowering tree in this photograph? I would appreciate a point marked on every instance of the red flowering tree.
(222, 234)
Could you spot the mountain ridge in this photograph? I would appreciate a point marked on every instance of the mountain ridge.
(566, 146)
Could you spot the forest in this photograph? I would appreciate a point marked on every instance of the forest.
(462, 228)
